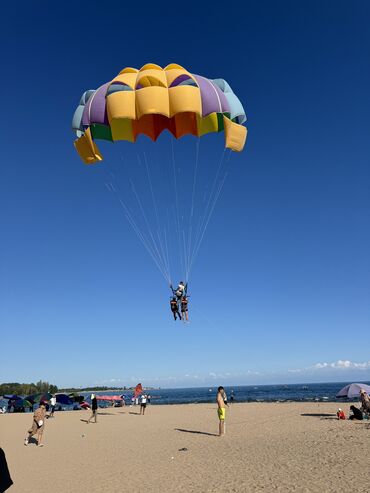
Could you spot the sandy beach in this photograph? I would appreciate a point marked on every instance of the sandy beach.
(267, 447)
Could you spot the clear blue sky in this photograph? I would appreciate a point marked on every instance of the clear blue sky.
(281, 287)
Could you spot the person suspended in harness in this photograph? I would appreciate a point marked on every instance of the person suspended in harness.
(180, 291)
(175, 308)
(184, 309)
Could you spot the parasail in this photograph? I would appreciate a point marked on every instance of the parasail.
(153, 99)
(167, 202)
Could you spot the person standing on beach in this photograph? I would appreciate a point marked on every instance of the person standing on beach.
(94, 409)
(225, 398)
(221, 411)
(143, 404)
(38, 424)
(53, 402)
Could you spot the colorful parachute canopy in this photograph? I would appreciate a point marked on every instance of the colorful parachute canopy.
(138, 390)
(152, 99)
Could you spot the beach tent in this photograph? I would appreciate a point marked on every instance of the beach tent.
(352, 390)
(64, 399)
(18, 403)
(46, 396)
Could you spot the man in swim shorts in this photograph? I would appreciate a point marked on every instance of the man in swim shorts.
(221, 411)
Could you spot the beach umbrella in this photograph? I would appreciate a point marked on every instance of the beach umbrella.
(76, 397)
(46, 396)
(353, 390)
(31, 398)
(42, 396)
(22, 403)
(64, 399)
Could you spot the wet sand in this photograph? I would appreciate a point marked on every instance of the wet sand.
(267, 447)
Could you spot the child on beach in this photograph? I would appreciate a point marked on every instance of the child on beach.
(221, 411)
(340, 414)
(143, 404)
(38, 424)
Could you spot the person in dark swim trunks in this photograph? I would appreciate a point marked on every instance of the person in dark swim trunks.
(184, 309)
(175, 308)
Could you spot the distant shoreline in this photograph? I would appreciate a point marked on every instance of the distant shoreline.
(130, 389)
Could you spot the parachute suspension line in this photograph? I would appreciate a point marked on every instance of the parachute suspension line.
(215, 199)
(218, 193)
(177, 209)
(163, 253)
(203, 220)
(148, 226)
(167, 253)
(191, 215)
(133, 224)
(186, 258)
(143, 239)
(202, 214)
(211, 204)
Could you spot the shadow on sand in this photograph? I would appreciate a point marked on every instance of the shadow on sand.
(197, 432)
(320, 415)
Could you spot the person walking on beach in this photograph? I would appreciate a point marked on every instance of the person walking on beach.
(38, 424)
(94, 409)
(53, 402)
(221, 411)
(143, 404)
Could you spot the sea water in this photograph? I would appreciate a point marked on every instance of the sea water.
(319, 392)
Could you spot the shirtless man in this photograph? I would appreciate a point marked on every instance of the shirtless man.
(221, 411)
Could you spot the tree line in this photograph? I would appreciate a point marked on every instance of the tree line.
(27, 388)
(91, 389)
